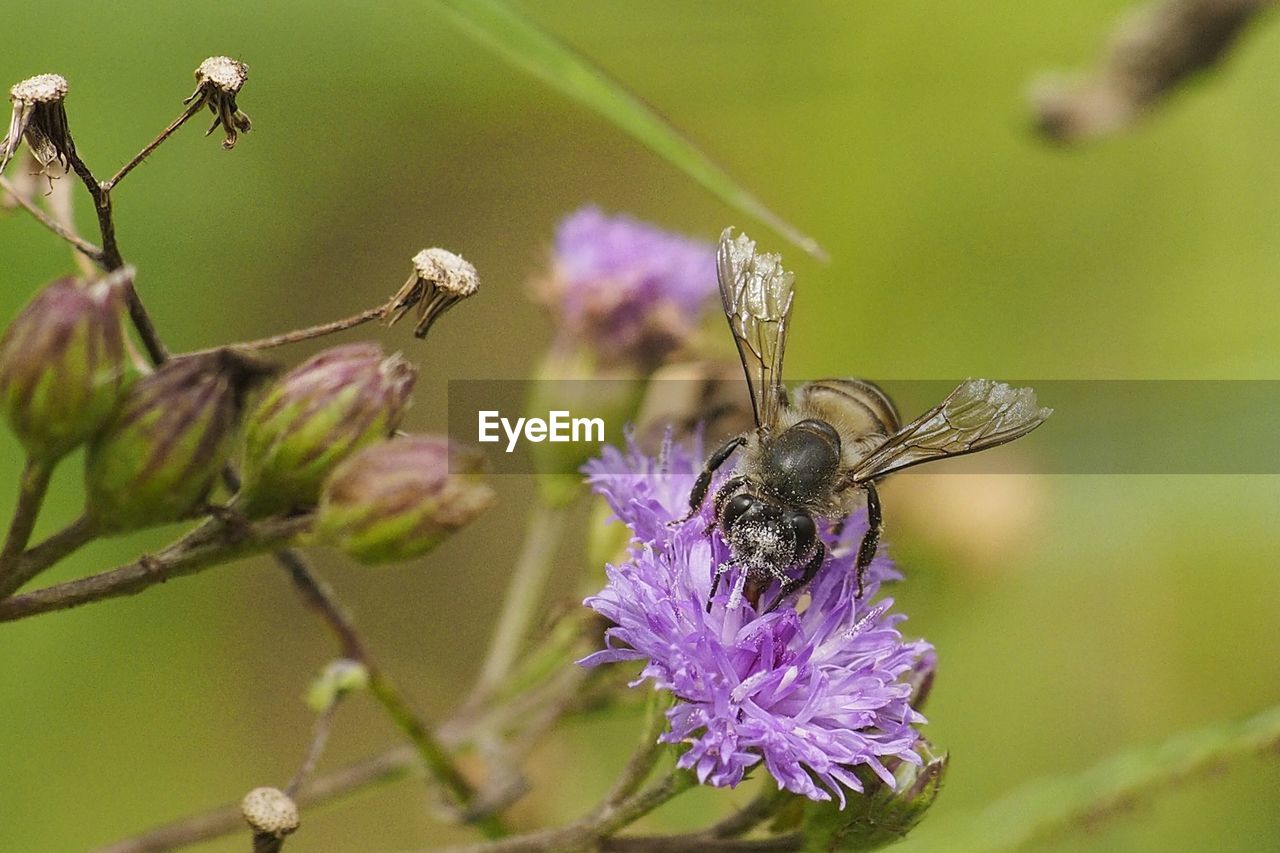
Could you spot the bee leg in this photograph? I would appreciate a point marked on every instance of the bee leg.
(728, 490)
(715, 583)
(699, 493)
(871, 539)
(794, 584)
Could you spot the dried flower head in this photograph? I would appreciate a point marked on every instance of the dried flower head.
(631, 291)
(270, 811)
(40, 117)
(218, 81)
(814, 694)
(440, 279)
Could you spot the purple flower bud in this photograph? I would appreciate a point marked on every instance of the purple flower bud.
(319, 414)
(401, 498)
(631, 291)
(885, 812)
(157, 459)
(63, 365)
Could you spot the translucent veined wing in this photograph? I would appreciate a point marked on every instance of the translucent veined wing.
(977, 415)
(756, 292)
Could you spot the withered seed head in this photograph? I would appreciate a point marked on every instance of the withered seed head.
(40, 89)
(39, 117)
(223, 72)
(270, 811)
(440, 279)
(218, 81)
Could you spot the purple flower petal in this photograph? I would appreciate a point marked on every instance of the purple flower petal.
(811, 694)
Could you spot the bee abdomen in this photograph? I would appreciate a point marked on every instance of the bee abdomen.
(856, 405)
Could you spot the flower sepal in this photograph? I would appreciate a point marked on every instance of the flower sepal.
(880, 815)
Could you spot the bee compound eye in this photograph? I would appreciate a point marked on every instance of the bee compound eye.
(738, 506)
(804, 530)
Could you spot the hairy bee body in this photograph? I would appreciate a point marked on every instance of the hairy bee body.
(818, 452)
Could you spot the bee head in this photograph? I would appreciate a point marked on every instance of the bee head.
(766, 538)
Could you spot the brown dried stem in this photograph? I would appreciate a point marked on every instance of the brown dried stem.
(1151, 54)
(210, 544)
(109, 185)
(77, 242)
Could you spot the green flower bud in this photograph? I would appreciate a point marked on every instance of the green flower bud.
(338, 679)
(881, 815)
(62, 364)
(319, 414)
(157, 459)
(401, 498)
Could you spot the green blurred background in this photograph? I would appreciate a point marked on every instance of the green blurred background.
(1073, 615)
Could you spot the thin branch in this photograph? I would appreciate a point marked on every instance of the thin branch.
(195, 107)
(391, 766)
(747, 818)
(77, 242)
(313, 331)
(319, 738)
(695, 843)
(56, 548)
(111, 259)
(210, 544)
(33, 482)
(647, 751)
(319, 597)
(545, 527)
(1151, 54)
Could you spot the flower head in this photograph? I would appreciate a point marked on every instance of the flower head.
(218, 81)
(812, 694)
(40, 117)
(633, 291)
(440, 280)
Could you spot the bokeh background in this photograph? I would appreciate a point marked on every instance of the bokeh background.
(1074, 615)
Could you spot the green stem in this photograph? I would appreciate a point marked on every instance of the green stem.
(648, 750)
(32, 485)
(53, 550)
(439, 763)
(523, 600)
(1053, 810)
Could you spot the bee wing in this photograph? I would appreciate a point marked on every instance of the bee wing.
(756, 293)
(977, 415)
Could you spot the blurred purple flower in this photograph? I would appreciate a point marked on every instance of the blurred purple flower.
(813, 694)
(631, 290)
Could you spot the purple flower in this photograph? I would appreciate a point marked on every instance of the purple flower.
(813, 694)
(633, 291)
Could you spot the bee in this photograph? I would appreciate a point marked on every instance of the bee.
(819, 452)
